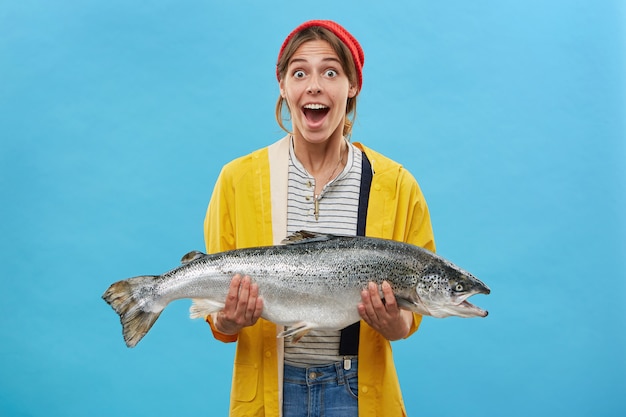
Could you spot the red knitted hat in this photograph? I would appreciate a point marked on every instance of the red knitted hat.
(350, 41)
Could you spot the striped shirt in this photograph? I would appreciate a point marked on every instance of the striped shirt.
(336, 212)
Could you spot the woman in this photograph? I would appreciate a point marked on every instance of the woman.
(315, 179)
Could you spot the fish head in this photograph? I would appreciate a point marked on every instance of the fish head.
(443, 290)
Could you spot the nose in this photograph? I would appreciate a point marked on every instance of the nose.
(314, 86)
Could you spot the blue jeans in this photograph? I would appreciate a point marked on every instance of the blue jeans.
(327, 391)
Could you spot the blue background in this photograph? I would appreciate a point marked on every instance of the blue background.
(116, 116)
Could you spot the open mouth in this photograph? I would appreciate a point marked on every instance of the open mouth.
(474, 310)
(466, 309)
(315, 113)
(447, 308)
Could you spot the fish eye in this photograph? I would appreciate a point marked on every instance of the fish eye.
(459, 287)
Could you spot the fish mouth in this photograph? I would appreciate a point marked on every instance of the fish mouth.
(466, 309)
(472, 310)
(458, 307)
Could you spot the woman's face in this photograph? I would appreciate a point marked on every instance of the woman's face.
(316, 90)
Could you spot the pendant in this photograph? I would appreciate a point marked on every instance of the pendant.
(316, 208)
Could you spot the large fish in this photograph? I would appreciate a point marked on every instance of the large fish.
(314, 281)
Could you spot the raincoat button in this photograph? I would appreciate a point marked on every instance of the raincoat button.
(364, 389)
(268, 354)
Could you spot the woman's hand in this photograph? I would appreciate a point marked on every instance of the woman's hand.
(384, 316)
(243, 306)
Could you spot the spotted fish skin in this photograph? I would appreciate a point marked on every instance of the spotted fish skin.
(314, 281)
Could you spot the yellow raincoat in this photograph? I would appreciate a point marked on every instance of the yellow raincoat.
(248, 208)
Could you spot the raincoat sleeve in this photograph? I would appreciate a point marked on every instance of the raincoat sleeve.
(397, 208)
(219, 232)
(239, 213)
(417, 229)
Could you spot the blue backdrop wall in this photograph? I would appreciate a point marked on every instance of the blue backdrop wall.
(116, 116)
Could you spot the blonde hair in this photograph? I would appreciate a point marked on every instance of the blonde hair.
(347, 64)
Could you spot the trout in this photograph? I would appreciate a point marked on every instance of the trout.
(312, 281)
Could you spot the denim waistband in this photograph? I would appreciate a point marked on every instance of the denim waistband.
(320, 374)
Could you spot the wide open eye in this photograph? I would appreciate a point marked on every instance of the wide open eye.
(298, 74)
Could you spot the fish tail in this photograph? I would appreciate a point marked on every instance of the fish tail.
(125, 298)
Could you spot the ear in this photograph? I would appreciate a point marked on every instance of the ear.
(352, 91)
(281, 86)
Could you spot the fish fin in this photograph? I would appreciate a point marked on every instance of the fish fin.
(191, 256)
(297, 331)
(122, 297)
(202, 307)
(304, 236)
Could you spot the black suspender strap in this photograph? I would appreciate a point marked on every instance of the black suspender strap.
(349, 342)
(364, 195)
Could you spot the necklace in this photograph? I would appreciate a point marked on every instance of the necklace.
(316, 198)
(332, 174)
